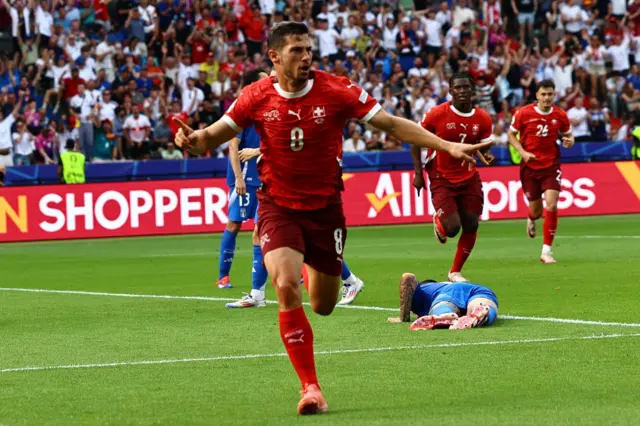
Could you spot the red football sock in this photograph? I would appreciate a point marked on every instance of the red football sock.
(305, 277)
(550, 225)
(297, 336)
(465, 245)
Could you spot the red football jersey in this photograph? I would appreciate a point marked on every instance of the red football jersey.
(301, 135)
(539, 133)
(452, 125)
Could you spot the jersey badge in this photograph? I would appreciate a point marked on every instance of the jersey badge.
(451, 126)
(476, 129)
(319, 114)
(272, 115)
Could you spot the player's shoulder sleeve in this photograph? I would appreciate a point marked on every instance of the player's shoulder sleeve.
(356, 101)
(518, 120)
(240, 113)
(486, 126)
(565, 123)
(431, 117)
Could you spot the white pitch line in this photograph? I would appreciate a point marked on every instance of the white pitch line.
(329, 352)
(364, 308)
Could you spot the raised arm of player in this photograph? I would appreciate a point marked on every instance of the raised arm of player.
(408, 131)
(203, 140)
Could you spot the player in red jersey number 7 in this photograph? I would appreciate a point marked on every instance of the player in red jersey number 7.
(539, 126)
(456, 188)
(300, 116)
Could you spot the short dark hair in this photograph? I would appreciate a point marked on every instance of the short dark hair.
(252, 76)
(461, 76)
(70, 144)
(280, 31)
(546, 84)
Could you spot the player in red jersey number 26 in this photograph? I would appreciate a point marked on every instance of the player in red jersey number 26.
(300, 115)
(539, 126)
(456, 188)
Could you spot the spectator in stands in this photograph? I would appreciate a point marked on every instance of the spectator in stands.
(136, 131)
(578, 116)
(23, 144)
(6, 122)
(106, 144)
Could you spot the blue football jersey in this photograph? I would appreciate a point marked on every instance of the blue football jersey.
(248, 139)
(457, 293)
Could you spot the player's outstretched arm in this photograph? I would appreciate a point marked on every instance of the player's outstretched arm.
(408, 131)
(234, 160)
(418, 178)
(200, 141)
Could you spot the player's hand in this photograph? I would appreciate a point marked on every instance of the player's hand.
(527, 156)
(241, 187)
(465, 152)
(568, 141)
(394, 320)
(418, 182)
(186, 138)
(248, 154)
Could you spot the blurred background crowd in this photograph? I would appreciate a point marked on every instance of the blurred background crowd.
(111, 74)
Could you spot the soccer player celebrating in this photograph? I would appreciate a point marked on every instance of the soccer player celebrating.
(243, 182)
(539, 125)
(456, 306)
(300, 116)
(456, 188)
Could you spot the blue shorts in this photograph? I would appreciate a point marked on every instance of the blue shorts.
(461, 294)
(243, 207)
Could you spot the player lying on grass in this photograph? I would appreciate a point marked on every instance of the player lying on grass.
(456, 306)
(300, 116)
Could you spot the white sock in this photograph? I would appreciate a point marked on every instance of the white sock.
(546, 249)
(257, 294)
(352, 279)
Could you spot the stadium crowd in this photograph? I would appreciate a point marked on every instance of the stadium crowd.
(111, 74)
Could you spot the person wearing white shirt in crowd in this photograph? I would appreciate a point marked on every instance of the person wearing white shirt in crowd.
(355, 143)
(23, 145)
(462, 13)
(433, 30)
(578, 118)
(418, 70)
(191, 98)
(384, 15)
(389, 35)
(85, 72)
(619, 53)
(83, 106)
(186, 71)
(72, 47)
(107, 107)
(574, 17)
(104, 52)
(328, 39)
(44, 22)
(444, 14)
(563, 76)
(6, 143)
(423, 104)
(14, 12)
(153, 105)
(351, 32)
(596, 56)
(148, 15)
(68, 132)
(136, 131)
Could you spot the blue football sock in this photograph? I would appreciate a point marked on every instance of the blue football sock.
(258, 272)
(346, 272)
(443, 308)
(227, 250)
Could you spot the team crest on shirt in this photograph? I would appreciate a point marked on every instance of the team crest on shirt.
(272, 115)
(319, 114)
(554, 122)
(475, 129)
(451, 126)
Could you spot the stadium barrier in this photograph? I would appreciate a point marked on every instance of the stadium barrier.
(43, 212)
(217, 167)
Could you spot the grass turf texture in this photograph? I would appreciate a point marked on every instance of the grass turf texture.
(569, 381)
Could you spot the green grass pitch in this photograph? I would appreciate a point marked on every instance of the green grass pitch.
(192, 361)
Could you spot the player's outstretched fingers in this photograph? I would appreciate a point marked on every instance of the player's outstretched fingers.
(186, 129)
(394, 320)
(482, 158)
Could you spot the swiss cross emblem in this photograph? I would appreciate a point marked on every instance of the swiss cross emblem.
(554, 121)
(318, 112)
(476, 128)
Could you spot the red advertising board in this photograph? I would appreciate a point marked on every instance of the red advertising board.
(371, 198)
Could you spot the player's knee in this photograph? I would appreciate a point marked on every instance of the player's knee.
(470, 225)
(452, 230)
(321, 307)
(234, 227)
(552, 206)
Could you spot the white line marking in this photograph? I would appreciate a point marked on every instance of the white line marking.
(329, 352)
(364, 308)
